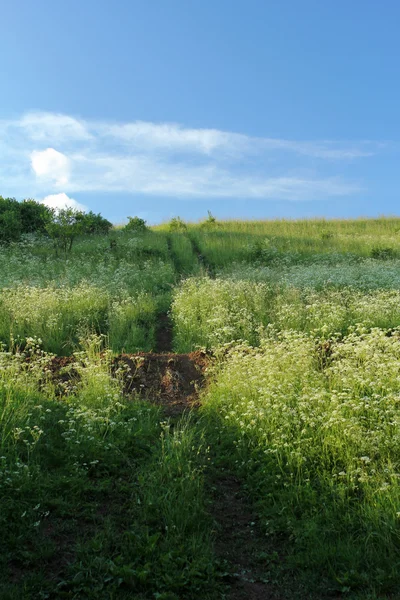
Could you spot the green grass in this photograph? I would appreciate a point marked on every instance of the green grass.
(319, 448)
(99, 497)
(103, 497)
(208, 312)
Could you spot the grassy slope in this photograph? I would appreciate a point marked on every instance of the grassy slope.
(101, 498)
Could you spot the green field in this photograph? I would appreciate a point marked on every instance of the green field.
(111, 491)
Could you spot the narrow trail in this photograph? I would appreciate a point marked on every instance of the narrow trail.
(204, 262)
(164, 335)
(174, 381)
(239, 543)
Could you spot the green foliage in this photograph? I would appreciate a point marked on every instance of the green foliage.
(176, 224)
(34, 216)
(263, 251)
(210, 222)
(31, 217)
(10, 225)
(319, 450)
(104, 494)
(65, 227)
(383, 253)
(94, 224)
(17, 218)
(67, 224)
(136, 225)
(97, 486)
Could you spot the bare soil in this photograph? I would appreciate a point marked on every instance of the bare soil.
(239, 543)
(164, 333)
(171, 380)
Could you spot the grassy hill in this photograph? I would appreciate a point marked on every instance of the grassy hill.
(202, 410)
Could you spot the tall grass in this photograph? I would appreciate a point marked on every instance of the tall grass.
(101, 487)
(320, 450)
(210, 312)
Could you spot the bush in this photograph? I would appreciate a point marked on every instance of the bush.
(383, 253)
(34, 216)
(136, 225)
(10, 225)
(29, 216)
(263, 252)
(17, 218)
(95, 224)
(176, 224)
(210, 222)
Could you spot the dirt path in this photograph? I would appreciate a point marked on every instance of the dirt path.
(209, 268)
(174, 381)
(239, 542)
(164, 333)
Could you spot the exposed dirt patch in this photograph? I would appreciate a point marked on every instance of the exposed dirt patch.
(63, 374)
(173, 380)
(239, 543)
(164, 333)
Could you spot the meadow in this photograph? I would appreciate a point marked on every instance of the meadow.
(109, 490)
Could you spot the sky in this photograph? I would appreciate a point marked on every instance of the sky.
(162, 108)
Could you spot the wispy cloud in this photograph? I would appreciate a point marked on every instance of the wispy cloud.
(50, 154)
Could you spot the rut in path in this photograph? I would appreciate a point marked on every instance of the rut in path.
(209, 268)
(239, 542)
(164, 335)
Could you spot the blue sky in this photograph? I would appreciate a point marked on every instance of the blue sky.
(249, 108)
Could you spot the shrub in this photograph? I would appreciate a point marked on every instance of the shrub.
(17, 218)
(95, 224)
(210, 222)
(263, 252)
(136, 225)
(34, 216)
(176, 224)
(10, 226)
(383, 253)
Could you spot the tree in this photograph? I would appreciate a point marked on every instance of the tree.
(10, 222)
(67, 224)
(95, 224)
(34, 216)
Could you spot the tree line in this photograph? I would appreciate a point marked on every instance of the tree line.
(62, 226)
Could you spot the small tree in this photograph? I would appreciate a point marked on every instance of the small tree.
(66, 226)
(136, 225)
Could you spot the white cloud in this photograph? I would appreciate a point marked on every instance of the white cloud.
(147, 176)
(167, 159)
(51, 165)
(58, 201)
(171, 136)
(49, 126)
